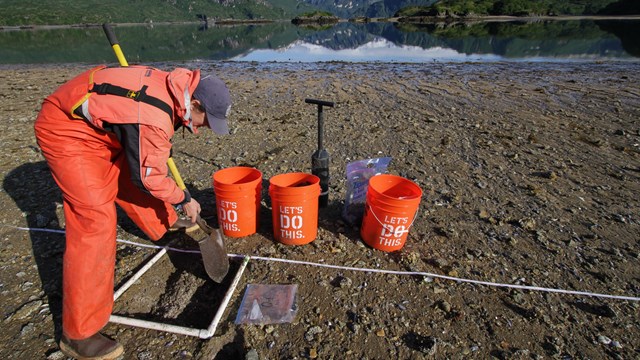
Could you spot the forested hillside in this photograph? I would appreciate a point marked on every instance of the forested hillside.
(524, 8)
(36, 12)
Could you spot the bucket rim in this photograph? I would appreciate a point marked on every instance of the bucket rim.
(278, 181)
(236, 176)
(381, 177)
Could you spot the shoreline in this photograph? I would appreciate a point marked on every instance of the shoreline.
(425, 19)
(523, 18)
(151, 24)
(395, 67)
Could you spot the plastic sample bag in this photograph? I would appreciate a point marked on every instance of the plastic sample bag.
(358, 174)
(268, 304)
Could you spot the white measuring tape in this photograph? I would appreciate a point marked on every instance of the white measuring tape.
(394, 272)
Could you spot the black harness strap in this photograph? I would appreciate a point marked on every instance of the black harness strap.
(136, 95)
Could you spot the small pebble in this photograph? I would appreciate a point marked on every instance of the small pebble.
(58, 355)
(604, 340)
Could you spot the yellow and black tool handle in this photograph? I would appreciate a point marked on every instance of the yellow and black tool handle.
(111, 36)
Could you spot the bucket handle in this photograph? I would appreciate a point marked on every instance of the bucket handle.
(383, 224)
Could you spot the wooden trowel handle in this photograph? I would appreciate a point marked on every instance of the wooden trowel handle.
(203, 225)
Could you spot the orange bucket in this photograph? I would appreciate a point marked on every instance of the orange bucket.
(391, 207)
(294, 207)
(238, 192)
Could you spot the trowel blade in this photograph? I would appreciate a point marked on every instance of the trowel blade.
(214, 255)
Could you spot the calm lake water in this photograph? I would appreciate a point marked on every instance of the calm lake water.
(575, 40)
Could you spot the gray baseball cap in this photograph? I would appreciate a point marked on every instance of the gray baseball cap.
(214, 96)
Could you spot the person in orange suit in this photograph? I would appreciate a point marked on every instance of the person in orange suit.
(106, 137)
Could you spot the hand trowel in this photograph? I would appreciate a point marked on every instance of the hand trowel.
(214, 253)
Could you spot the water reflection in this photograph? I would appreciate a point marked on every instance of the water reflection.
(483, 41)
(374, 42)
(378, 50)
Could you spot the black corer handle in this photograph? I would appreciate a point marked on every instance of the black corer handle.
(111, 36)
(319, 102)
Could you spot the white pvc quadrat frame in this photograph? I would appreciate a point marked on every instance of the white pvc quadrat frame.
(201, 333)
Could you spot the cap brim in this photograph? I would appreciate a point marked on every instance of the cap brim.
(219, 126)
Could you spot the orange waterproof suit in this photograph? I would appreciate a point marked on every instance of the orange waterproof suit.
(106, 137)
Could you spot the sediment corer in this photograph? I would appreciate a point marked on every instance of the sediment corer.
(320, 159)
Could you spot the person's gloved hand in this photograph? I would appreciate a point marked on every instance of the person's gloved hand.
(192, 210)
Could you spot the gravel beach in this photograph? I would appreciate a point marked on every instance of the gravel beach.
(530, 175)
